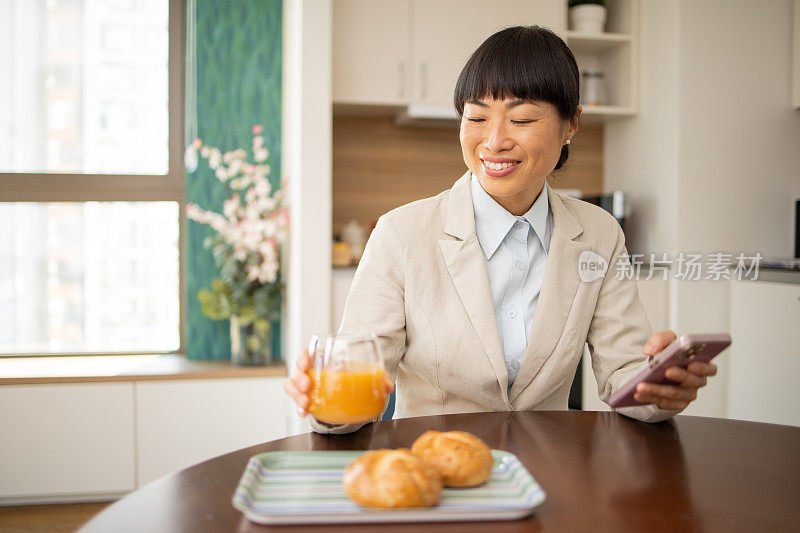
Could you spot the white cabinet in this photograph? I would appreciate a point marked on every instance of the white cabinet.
(410, 52)
(446, 32)
(66, 439)
(370, 51)
(183, 422)
(764, 358)
(96, 441)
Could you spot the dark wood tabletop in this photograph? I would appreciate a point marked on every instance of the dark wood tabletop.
(601, 472)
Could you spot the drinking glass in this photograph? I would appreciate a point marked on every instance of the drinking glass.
(348, 379)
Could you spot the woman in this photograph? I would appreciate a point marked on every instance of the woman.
(476, 294)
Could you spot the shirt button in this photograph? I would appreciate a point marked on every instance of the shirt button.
(515, 365)
(518, 225)
(519, 265)
(512, 314)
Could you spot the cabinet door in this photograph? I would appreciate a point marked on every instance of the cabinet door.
(370, 49)
(765, 353)
(180, 423)
(446, 32)
(66, 440)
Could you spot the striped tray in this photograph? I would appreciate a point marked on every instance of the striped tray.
(306, 488)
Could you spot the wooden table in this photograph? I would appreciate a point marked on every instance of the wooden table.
(601, 472)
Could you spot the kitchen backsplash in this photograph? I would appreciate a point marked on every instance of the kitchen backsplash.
(378, 165)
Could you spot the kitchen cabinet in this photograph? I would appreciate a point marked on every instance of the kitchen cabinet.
(410, 52)
(370, 51)
(66, 439)
(446, 32)
(764, 358)
(99, 441)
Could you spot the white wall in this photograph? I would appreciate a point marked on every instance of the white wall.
(711, 161)
(641, 153)
(307, 163)
(739, 136)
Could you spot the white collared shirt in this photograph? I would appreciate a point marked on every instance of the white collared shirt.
(515, 263)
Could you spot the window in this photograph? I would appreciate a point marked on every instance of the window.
(91, 176)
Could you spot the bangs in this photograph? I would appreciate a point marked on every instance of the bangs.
(525, 62)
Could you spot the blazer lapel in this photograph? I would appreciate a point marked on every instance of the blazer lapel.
(464, 259)
(561, 280)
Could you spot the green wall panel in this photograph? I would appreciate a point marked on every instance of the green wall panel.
(238, 85)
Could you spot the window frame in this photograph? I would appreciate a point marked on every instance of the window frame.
(52, 187)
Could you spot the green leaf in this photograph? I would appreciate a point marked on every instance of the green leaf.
(262, 327)
(211, 305)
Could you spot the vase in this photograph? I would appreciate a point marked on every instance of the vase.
(251, 342)
(589, 18)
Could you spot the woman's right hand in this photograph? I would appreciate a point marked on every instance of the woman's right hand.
(298, 385)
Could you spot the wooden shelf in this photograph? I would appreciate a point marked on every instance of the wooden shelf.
(613, 52)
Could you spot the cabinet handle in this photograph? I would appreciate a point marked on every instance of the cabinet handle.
(401, 79)
(423, 79)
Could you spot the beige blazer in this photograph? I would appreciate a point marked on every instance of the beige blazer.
(422, 288)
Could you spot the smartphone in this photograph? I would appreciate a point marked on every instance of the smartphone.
(682, 351)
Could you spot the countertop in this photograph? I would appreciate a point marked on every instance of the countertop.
(106, 368)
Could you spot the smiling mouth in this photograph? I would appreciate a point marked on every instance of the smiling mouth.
(499, 168)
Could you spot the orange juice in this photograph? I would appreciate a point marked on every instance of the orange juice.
(351, 393)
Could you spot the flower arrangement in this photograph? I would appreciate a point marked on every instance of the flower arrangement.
(246, 248)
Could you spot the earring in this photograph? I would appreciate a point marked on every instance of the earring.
(568, 141)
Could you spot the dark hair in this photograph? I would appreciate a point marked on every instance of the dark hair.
(526, 62)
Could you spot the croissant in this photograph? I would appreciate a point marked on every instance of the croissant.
(462, 459)
(391, 479)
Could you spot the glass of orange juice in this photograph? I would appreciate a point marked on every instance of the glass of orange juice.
(348, 379)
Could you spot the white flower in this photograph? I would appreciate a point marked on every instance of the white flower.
(268, 269)
(214, 158)
(237, 167)
(231, 206)
(254, 222)
(262, 186)
(194, 212)
(239, 253)
(217, 222)
(252, 272)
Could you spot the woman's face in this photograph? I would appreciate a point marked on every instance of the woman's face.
(512, 145)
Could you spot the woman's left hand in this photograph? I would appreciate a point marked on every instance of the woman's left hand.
(687, 381)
